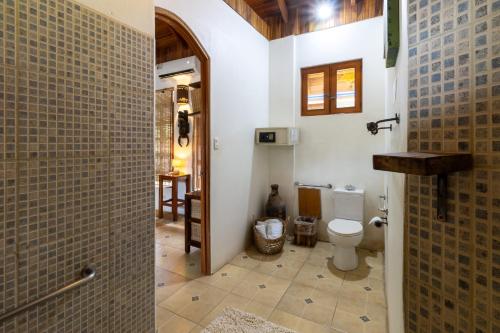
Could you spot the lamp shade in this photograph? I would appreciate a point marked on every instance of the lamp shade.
(182, 94)
(177, 163)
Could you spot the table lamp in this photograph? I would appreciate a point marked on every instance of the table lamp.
(177, 163)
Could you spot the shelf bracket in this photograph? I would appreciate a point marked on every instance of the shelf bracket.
(442, 194)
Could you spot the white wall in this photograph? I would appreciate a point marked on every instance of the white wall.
(239, 103)
(281, 114)
(396, 102)
(334, 149)
(137, 14)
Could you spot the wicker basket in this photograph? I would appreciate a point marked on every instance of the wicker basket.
(269, 246)
(306, 230)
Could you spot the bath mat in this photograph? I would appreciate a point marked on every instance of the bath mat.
(236, 321)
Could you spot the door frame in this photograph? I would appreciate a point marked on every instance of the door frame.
(182, 29)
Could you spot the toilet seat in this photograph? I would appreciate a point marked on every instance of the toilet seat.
(345, 228)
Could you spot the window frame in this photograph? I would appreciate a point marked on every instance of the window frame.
(325, 69)
(330, 72)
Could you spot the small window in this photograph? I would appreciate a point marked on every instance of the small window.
(330, 89)
(315, 90)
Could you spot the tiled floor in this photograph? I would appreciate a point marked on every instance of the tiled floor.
(299, 288)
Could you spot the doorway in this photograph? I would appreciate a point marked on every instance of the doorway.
(184, 159)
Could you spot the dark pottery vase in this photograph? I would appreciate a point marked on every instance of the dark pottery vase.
(275, 206)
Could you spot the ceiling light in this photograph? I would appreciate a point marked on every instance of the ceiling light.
(324, 10)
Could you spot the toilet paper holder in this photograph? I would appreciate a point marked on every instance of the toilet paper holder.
(378, 221)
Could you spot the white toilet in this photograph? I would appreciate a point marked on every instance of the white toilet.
(346, 230)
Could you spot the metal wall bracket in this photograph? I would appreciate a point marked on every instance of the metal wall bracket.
(442, 194)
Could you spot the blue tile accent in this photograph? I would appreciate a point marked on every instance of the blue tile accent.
(463, 19)
(481, 12)
(436, 77)
(449, 86)
(481, 80)
(463, 59)
(495, 62)
(436, 7)
(481, 27)
(495, 6)
(462, 7)
(481, 40)
(481, 54)
(495, 91)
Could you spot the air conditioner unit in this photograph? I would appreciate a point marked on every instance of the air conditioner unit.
(184, 66)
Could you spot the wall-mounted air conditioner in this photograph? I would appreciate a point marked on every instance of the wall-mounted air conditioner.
(180, 71)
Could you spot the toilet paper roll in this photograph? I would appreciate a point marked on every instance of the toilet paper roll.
(377, 221)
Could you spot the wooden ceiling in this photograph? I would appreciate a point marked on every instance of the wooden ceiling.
(273, 19)
(272, 8)
(169, 45)
(280, 18)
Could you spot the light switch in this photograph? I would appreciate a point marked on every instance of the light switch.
(216, 143)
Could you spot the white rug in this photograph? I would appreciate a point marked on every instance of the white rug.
(237, 321)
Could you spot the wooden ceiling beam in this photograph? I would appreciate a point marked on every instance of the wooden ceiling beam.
(283, 10)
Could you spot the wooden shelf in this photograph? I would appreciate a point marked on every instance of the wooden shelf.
(426, 164)
(423, 164)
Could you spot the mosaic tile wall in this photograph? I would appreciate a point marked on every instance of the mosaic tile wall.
(76, 168)
(452, 269)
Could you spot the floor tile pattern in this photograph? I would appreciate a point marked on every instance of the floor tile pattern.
(298, 288)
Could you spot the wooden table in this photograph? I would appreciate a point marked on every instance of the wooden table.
(173, 202)
(189, 219)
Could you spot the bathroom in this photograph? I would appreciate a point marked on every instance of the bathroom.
(408, 152)
(333, 149)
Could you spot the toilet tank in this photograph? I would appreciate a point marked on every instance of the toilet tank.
(349, 205)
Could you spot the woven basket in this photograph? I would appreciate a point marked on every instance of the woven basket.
(269, 246)
(306, 230)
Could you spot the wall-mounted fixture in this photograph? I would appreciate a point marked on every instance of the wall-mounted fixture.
(182, 94)
(184, 127)
(373, 127)
(277, 136)
(328, 186)
(426, 164)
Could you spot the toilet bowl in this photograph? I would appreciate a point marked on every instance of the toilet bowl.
(345, 235)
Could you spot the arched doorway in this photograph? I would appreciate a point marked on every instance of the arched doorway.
(180, 27)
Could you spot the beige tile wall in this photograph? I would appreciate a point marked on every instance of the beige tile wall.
(452, 268)
(76, 166)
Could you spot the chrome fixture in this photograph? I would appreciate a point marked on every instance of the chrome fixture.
(350, 187)
(373, 127)
(328, 186)
(87, 274)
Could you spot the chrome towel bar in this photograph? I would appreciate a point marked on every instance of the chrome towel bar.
(328, 186)
(87, 274)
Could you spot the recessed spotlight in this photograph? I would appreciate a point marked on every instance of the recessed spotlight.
(324, 10)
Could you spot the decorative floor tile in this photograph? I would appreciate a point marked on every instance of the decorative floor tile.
(305, 298)
(364, 318)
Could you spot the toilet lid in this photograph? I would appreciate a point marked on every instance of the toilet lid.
(345, 227)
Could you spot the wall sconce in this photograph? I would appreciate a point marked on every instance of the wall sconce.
(182, 94)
